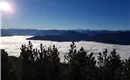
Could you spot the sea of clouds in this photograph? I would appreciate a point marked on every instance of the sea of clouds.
(12, 45)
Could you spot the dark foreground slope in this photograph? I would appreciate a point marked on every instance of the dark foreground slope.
(119, 37)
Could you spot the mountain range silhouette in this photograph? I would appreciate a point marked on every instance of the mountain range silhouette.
(120, 37)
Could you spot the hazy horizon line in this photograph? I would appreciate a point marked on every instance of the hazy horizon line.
(68, 29)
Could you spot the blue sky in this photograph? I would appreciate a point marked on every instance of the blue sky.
(68, 14)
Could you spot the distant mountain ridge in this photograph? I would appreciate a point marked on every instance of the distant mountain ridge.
(35, 32)
(119, 37)
(50, 32)
(5, 33)
(67, 36)
(105, 36)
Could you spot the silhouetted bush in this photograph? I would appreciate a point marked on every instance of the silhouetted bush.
(40, 64)
(4, 65)
(108, 64)
(82, 66)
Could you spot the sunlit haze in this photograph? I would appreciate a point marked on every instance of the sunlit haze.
(4, 6)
